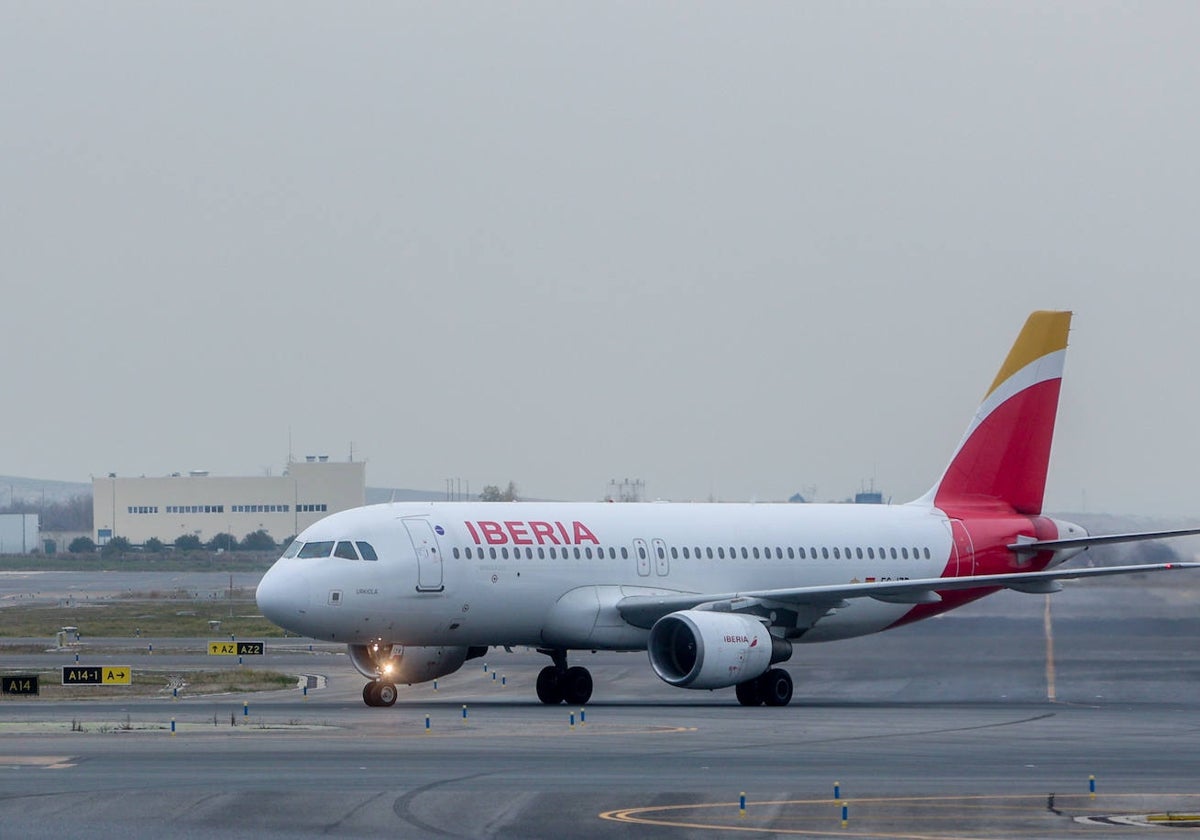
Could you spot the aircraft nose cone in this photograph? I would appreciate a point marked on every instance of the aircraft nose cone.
(282, 596)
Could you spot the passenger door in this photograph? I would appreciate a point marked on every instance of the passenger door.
(429, 558)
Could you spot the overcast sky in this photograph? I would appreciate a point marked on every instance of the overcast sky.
(735, 250)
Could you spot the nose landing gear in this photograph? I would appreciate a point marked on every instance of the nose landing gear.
(378, 693)
(559, 684)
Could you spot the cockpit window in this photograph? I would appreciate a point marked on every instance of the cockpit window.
(315, 549)
(293, 548)
(345, 550)
(367, 552)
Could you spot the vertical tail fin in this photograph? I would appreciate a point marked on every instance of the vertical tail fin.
(1006, 451)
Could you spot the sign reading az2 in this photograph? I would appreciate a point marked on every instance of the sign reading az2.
(235, 648)
(114, 675)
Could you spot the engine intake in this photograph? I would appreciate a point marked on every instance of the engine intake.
(701, 649)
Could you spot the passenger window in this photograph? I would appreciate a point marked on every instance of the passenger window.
(504, 553)
(824, 552)
(316, 549)
(661, 554)
(904, 553)
(870, 553)
(587, 552)
(836, 554)
(858, 552)
(624, 553)
(492, 551)
(779, 553)
(293, 549)
(800, 553)
(345, 550)
(528, 553)
(576, 552)
(745, 554)
(926, 553)
(720, 552)
(455, 552)
(755, 552)
(709, 552)
(893, 554)
(641, 553)
(367, 552)
(541, 553)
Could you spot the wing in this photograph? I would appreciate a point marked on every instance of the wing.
(810, 603)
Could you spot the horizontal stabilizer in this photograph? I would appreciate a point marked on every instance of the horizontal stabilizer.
(1035, 546)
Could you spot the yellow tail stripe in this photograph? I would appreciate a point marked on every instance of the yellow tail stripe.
(1043, 333)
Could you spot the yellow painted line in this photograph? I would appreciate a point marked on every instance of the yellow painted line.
(46, 762)
(642, 815)
(1051, 692)
(451, 730)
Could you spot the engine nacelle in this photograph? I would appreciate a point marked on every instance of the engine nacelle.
(407, 665)
(700, 649)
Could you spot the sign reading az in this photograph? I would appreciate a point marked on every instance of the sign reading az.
(235, 648)
(113, 675)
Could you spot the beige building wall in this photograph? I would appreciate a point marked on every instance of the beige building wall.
(204, 505)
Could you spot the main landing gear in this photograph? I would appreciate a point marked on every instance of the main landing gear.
(773, 688)
(559, 684)
(379, 693)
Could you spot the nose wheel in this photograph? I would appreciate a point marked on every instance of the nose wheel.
(379, 693)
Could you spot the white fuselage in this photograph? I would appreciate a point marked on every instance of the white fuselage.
(550, 574)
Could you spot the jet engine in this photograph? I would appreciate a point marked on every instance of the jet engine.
(701, 649)
(409, 664)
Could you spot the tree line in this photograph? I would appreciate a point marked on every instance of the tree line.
(258, 540)
(73, 514)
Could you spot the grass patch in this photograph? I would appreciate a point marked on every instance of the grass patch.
(174, 618)
(156, 683)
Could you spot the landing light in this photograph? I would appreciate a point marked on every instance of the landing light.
(387, 668)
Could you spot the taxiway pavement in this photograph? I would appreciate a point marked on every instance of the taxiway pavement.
(942, 729)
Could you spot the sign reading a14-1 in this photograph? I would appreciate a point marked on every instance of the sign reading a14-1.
(112, 675)
(235, 648)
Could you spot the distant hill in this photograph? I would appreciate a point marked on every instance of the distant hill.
(381, 495)
(17, 489)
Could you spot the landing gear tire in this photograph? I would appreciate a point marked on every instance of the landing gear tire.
(385, 694)
(370, 695)
(576, 686)
(749, 693)
(549, 691)
(776, 687)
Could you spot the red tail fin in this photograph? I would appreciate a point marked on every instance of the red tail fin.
(1006, 451)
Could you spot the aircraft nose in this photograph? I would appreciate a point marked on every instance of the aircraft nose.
(282, 595)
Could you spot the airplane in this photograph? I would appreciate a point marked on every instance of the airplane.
(718, 595)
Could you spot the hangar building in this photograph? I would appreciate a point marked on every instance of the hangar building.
(204, 505)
